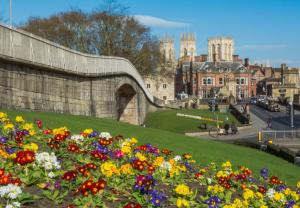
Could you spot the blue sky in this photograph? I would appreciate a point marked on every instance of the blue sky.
(263, 30)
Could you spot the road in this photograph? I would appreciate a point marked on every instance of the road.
(279, 120)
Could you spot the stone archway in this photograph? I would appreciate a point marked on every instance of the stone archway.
(127, 106)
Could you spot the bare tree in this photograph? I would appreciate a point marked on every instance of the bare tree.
(106, 31)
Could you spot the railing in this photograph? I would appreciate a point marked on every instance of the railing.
(24, 47)
(278, 135)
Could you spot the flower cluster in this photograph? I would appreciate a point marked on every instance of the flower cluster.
(25, 157)
(91, 187)
(47, 161)
(96, 169)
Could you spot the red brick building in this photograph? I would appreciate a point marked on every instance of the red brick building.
(215, 79)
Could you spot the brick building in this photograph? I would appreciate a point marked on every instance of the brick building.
(215, 79)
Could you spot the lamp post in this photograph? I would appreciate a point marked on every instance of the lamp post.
(10, 13)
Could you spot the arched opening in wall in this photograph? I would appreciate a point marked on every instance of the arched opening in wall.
(127, 106)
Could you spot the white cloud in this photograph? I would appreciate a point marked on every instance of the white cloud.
(159, 22)
(261, 47)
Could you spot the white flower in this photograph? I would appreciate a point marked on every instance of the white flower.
(49, 162)
(51, 175)
(13, 205)
(77, 138)
(11, 191)
(16, 204)
(208, 180)
(166, 166)
(177, 158)
(270, 193)
(105, 135)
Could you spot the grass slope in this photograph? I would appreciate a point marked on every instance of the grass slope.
(204, 151)
(167, 120)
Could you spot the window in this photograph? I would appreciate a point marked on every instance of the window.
(195, 80)
(148, 86)
(242, 94)
(242, 81)
(220, 80)
(205, 93)
(204, 81)
(164, 86)
(164, 97)
(209, 81)
(237, 81)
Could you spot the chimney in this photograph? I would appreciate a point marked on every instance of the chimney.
(214, 58)
(246, 62)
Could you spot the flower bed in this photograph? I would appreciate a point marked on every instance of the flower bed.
(43, 167)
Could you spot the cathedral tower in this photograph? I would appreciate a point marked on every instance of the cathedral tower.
(220, 49)
(188, 45)
(167, 49)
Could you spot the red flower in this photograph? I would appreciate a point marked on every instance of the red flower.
(197, 175)
(99, 155)
(151, 169)
(132, 205)
(104, 141)
(73, 147)
(90, 186)
(69, 175)
(274, 180)
(39, 123)
(6, 179)
(262, 189)
(139, 165)
(25, 157)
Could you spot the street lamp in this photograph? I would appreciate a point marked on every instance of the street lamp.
(10, 13)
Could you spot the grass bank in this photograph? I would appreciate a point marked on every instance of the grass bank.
(204, 151)
(168, 120)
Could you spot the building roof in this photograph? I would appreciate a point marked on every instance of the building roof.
(214, 66)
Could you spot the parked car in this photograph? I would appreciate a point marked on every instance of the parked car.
(253, 100)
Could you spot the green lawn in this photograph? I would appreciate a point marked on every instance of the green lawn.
(204, 151)
(167, 120)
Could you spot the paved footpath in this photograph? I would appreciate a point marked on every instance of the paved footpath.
(249, 133)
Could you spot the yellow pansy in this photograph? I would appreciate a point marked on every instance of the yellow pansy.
(182, 203)
(248, 194)
(227, 165)
(109, 169)
(287, 191)
(298, 185)
(31, 132)
(28, 126)
(158, 161)
(3, 115)
(19, 119)
(140, 156)
(295, 196)
(183, 189)
(133, 140)
(215, 189)
(60, 130)
(88, 131)
(278, 196)
(126, 169)
(126, 149)
(32, 146)
(8, 126)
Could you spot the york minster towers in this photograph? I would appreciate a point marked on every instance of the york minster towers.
(188, 45)
(220, 49)
(167, 49)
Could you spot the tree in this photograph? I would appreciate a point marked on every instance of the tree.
(108, 31)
